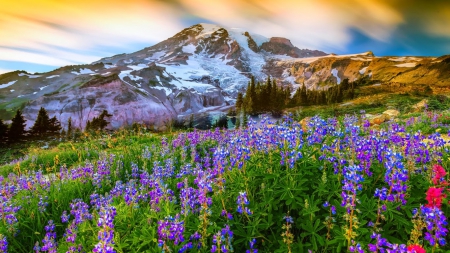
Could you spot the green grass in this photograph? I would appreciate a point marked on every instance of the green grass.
(273, 189)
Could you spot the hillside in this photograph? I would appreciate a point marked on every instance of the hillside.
(200, 69)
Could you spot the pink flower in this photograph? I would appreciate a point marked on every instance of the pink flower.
(415, 249)
(438, 174)
(434, 197)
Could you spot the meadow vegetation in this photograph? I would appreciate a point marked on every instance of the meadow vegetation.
(334, 185)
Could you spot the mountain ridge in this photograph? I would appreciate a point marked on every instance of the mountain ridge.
(201, 68)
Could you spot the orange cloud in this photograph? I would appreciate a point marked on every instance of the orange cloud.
(47, 27)
(315, 24)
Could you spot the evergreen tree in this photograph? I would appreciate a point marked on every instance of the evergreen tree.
(252, 105)
(222, 122)
(69, 127)
(239, 102)
(3, 131)
(54, 126)
(191, 121)
(102, 122)
(98, 123)
(303, 95)
(42, 123)
(268, 94)
(88, 126)
(17, 129)
(245, 120)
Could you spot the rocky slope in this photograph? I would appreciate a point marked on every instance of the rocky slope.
(199, 69)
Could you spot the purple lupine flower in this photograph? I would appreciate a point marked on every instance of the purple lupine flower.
(189, 200)
(351, 184)
(3, 244)
(383, 245)
(170, 229)
(49, 240)
(75, 249)
(80, 212)
(42, 205)
(226, 214)
(37, 248)
(134, 170)
(131, 195)
(356, 248)
(252, 247)
(196, 238)
(106, 233)
(243, 202)
(288, 219)
(222, 240)
(65, 217)
(436, 222)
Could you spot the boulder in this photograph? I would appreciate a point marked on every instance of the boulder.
(377, 119)
(391, 114)
(420, 106)
(304, 123)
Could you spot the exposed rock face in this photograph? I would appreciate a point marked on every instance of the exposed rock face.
(125, 104)
(377, 119)
(421, 105)
(391, 114)
(199, 69)
(283, 46)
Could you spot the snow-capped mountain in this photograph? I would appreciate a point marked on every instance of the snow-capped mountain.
(199, 69)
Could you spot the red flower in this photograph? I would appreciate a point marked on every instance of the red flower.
(438, 174)
(415, 249)
(434, 197)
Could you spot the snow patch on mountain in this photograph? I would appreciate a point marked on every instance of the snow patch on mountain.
(190, 49)
(7, 84)
(404, 58)
(208, 29)
(137, 67)
(334, 72)
(406, 65)
(360, 59)
(166, 90)
(29, 76)
(156, 56)
(49, 77)
(83, 71)
(363, 70)
(109, 66)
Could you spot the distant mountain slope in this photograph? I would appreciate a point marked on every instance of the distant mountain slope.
(200, 68)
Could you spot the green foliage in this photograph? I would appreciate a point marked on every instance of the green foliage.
(274, 191)
(17, 129)
(98, 123)
(42, 124)
(3, 131)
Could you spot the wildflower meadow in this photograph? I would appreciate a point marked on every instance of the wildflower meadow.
(334, 185)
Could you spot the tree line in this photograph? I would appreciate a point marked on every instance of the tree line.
(44, 126)
(268, 97)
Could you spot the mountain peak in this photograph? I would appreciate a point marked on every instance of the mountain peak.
(281, 40)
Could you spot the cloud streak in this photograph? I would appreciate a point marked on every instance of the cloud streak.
(53, 30)
(55, 33)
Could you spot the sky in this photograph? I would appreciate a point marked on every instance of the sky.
(39, 36)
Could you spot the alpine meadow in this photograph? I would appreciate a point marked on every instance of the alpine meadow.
(226, 126)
